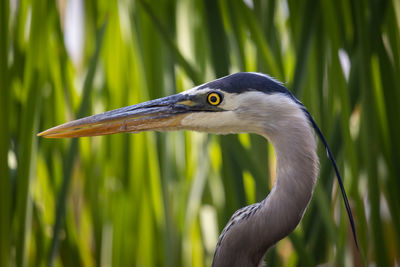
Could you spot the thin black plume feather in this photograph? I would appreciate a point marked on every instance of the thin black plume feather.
(339, 178)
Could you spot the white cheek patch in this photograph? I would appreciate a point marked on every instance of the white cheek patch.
(230, 101)
(223, 122)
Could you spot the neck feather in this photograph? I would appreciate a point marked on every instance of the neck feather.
(255, 228)
(297, 171)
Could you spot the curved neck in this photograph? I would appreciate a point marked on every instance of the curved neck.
(255, 228)
(296, 174)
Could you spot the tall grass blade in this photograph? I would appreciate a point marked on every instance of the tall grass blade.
(5, 182)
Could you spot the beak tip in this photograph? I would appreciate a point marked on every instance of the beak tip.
(42, 134)
(46, 134)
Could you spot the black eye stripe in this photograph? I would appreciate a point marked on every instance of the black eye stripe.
(246, 81)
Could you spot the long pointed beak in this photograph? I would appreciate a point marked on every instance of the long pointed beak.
(158, 115)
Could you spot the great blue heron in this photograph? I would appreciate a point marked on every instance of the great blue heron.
(239, 103)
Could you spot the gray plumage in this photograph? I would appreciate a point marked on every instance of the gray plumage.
(238, 103)
(255, 228)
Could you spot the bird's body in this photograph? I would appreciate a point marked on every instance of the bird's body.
(238, 103)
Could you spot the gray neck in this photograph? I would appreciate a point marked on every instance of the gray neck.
(254, 229)
(297, 171)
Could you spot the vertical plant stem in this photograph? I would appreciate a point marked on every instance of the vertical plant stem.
(5, 185)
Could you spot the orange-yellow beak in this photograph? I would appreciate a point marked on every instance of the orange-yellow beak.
(158, 115)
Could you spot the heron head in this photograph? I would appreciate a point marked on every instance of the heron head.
(231, 104)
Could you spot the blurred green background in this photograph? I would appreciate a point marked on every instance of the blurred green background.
(161, 199)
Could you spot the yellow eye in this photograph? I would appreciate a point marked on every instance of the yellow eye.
(214, 99)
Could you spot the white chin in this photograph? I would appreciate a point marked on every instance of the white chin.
(225, 122)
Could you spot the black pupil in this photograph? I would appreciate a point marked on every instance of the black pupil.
(213, 99)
